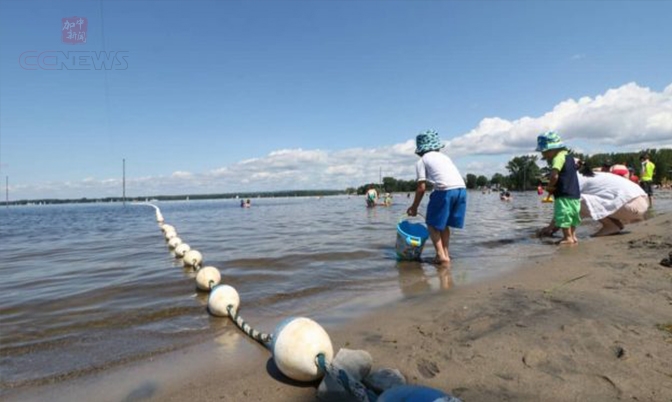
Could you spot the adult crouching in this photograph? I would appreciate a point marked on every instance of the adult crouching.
(612, 200)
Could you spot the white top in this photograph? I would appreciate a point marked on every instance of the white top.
(606, 193)
(438, 169)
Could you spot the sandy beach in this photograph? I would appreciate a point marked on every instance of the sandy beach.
(591, 323)
(529, 336)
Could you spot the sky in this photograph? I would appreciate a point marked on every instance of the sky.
(236, 96)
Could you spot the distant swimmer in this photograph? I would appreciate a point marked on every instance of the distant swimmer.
(387, 200)
(371, 196)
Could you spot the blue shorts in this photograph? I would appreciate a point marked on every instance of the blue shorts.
(447, 208)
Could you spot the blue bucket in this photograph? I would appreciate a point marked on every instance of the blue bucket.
(411, 238)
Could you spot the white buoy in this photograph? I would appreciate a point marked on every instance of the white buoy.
(181, 250)
(207, 278)
(170, 234)
(192, 258)
(174, 242)
(222, 296)
(159, 217)
(167, 228)
(296, 344)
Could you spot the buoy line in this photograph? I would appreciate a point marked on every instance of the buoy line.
(300, 347)
(260, 337)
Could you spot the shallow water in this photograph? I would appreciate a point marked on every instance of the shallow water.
(89, 287)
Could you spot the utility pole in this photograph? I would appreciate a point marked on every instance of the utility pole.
(124, 164)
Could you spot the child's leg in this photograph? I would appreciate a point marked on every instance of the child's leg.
(576, 239)
(567, 237)
(435, 235)
(445, 239)
(458, 211)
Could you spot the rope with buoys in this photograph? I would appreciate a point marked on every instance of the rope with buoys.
(260, 337)
(301, 348)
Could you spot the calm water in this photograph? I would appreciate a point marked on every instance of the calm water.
(88, 287)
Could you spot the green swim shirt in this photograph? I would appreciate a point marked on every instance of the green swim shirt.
(558, 161)
(647, 171)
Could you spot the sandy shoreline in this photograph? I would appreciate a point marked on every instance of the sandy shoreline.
(526, 336)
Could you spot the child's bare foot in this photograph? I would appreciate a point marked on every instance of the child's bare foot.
(566, 242)
(441, 261)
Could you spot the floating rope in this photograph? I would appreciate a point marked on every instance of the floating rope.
(262, 338)
(354, 387)
(159, 217)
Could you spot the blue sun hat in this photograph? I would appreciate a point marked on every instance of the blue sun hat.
(549, 140)
(428, 141)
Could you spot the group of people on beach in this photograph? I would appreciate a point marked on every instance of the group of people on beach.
(608, 197)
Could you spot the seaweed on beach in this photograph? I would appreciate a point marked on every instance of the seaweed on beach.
(651, 242)
(667, 327)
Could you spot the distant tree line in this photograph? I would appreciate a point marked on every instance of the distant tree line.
(525, 172)
(266, 194)
(389, 185)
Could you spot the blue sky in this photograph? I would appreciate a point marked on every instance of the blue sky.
(265, 95)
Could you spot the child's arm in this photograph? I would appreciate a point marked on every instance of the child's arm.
(419, 193)
(555, 173)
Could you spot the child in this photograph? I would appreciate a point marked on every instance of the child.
(448, 202)
(371, 196)
(564, 185)
(387, 200)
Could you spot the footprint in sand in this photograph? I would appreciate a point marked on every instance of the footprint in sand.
(427, 368)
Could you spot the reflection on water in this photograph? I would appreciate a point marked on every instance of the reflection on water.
(418, 278)
(87, 287)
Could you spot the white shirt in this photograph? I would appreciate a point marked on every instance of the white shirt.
(606, 193)
(438, 169)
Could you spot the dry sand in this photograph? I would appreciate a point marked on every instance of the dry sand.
(587, 324)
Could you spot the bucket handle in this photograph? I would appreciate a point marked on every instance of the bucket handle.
(405, 215)
(413, 241)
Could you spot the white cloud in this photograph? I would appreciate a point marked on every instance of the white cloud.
(629, 117)
(181, 175)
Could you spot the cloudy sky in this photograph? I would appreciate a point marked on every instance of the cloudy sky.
(219, 97)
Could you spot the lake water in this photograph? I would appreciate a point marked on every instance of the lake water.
(89, 287)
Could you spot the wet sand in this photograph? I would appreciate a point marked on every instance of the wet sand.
(587, 323)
